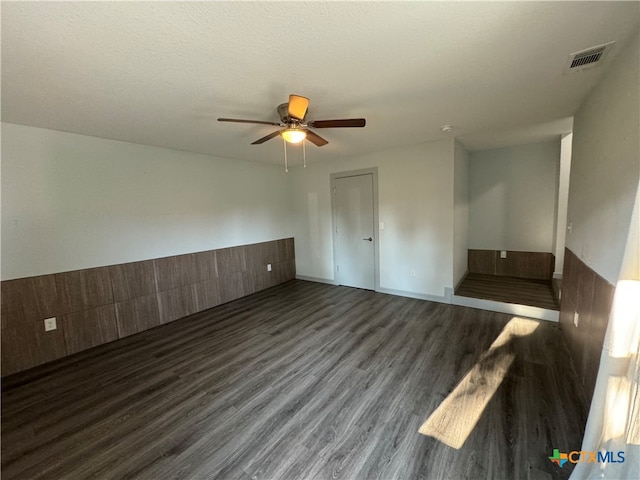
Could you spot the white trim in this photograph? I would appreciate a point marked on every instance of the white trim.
(316, 279)
(419, 296)
(510, 308)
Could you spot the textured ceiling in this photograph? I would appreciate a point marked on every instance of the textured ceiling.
(161, 73)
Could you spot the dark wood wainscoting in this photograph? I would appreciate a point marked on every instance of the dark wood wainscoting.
(591, 296)
(99, 305)
(534, 265)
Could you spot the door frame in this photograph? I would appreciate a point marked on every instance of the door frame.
(373, 171)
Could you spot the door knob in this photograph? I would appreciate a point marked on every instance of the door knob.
(370, 239)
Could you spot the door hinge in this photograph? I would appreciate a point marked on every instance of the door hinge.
(337, 268)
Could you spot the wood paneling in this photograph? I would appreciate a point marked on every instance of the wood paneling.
(89, 328)
(533, 265)
(176, 303)
(132, 280)
(259, 254)
(206, 265)
(176, 271)
(252, 281)
(284, 250)
(207, 294)
(140, 295)
(27, 344)
(230, 260)
(83, 289)
(603, 293)
(137, 314)
(591, 296)
(482, 261)
(28, 300)
(275, 386)
(231, 287)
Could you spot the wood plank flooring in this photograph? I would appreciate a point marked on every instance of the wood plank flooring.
(523, 291)
(302, 381)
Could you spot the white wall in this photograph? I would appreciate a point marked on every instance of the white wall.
(513, 197)
(71, 201)
(605, 166)
(564, 172)
(630, 269)
(460, 212)
(415, 195)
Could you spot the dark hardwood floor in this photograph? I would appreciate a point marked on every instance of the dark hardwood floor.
(306, 381)
(523, 291)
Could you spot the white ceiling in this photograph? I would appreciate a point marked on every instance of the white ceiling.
(161, 73)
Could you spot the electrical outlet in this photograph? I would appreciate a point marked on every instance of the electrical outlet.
(503, 254)
(412, 273)
(50, 324)
(381, 225)
(576, 318)
(268, 267)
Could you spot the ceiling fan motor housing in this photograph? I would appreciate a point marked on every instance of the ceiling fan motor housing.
(283, 113)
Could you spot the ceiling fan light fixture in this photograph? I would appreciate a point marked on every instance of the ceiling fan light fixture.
(294, 135)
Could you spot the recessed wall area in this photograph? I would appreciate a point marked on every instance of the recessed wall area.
(512, 230)
(513, 196)
(521, 278)
(98, 305)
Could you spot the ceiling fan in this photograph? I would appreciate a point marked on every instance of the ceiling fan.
(295, 127)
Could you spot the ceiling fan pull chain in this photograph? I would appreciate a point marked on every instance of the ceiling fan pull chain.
(304, 154)
(286, 166)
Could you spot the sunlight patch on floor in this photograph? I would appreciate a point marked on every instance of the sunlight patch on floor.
(454, 420)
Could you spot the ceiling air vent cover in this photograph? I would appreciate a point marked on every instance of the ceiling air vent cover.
(588, 58)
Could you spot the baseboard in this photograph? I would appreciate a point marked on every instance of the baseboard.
(419, 296)
(389, 291)
(510, 308)
(316, 279)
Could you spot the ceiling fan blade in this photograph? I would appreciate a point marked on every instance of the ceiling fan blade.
(237, 120)
(268, 137)
(298, 106)
(315, 138)
(345, 122)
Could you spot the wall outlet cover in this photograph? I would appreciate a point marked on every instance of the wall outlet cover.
(268, 267)
(50, 324)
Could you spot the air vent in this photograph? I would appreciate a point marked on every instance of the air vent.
(588, 58)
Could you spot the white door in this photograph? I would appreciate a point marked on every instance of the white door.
(355, 243)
